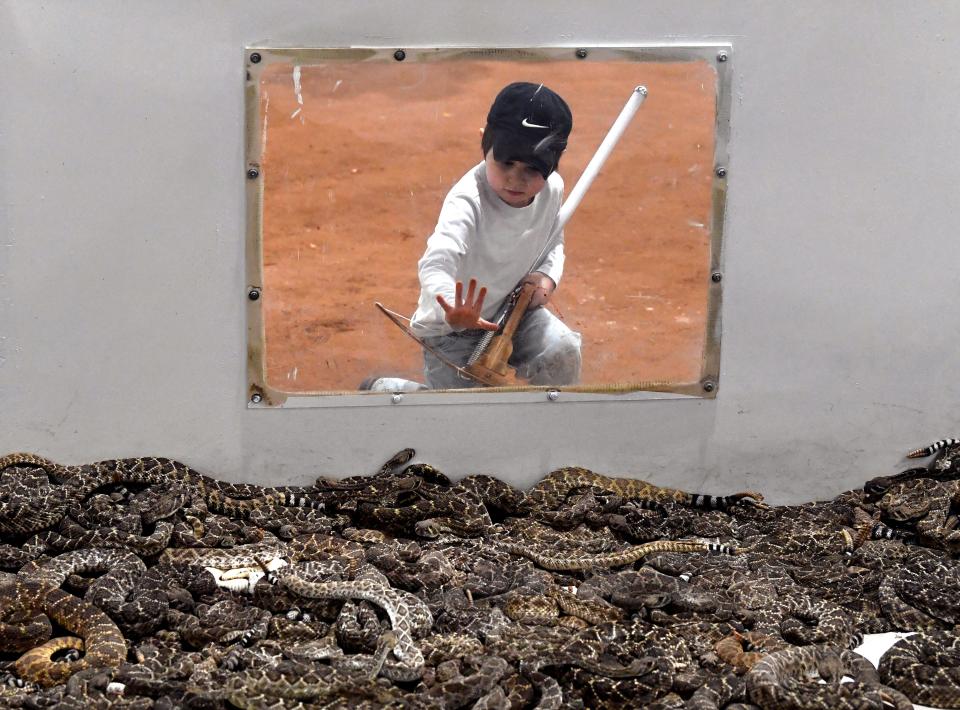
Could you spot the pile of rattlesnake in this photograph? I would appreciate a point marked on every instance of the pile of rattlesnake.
(144, 583)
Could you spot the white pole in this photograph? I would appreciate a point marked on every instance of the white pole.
(603, 152)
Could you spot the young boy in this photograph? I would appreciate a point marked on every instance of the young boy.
(498, 227)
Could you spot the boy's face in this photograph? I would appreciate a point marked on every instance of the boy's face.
(514, 182)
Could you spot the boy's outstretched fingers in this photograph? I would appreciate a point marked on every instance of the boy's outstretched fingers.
(465, 313)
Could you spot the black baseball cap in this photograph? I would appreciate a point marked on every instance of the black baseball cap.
(528, 123)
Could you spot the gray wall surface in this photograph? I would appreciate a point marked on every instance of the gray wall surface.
(122, 312)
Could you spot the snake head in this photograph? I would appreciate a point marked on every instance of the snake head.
(753, 499)
(389, 639)
(429, 528)
(907, 501)
(877, 486)
(652, 600)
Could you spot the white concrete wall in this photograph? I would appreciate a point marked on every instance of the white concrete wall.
(122, 222)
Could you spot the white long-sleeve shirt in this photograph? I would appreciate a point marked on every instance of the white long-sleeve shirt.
(479, 236)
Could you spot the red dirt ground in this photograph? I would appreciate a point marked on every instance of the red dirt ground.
(356, 166)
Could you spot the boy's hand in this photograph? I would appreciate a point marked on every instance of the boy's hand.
(466, 313)
(543, 289)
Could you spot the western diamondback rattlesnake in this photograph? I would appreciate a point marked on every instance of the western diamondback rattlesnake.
(409, 616)
(235, 499)
(136, 610)
(744, 650)
(29, 503)
(788, 679)
(925, 667)
(103, 642)
(922, 592)
(435, 508)
(147, 545)
(545, 607)
(463, 508)
(802, 574)
(290, 685)
(554, 488)
(933, 448)
(613, 559)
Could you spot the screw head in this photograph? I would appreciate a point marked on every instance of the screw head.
(253, 294)
(399, 55)
(581, 54)
(721, 171)
(553, 395)
(256, 398)
(709, 386)
(255, 58)
(716, 277)
(397, 398)
(253, 174)
(722, 56)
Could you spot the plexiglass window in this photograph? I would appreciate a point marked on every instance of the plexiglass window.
(351, 154)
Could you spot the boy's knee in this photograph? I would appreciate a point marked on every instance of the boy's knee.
(438, 374)
(560, 363)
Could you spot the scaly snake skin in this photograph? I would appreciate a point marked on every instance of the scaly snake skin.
(407, 589)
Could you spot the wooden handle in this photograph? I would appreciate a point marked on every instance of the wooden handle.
(523, 300)
(491, 368)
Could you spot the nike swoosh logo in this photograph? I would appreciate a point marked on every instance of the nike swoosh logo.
(526, 124)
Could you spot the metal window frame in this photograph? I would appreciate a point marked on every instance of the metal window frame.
(260, 394)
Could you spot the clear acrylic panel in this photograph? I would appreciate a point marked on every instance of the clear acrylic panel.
(350, 153)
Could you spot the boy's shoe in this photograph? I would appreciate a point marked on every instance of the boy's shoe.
(368, 383)
(376, 383)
